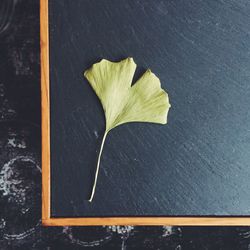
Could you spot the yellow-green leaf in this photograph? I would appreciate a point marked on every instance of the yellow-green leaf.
(145, 101)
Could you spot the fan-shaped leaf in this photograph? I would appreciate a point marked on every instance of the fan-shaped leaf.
(145, 101)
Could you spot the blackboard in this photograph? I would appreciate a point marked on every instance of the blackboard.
(197, 164)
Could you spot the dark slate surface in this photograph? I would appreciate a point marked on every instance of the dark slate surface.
(198, 164)
(20, 177)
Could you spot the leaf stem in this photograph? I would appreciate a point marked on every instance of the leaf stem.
(98, 166)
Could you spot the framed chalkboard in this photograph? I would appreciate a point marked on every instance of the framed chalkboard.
(193, 171)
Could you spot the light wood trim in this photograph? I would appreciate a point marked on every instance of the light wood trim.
(150, 221)
(47, 220)
(45, 108)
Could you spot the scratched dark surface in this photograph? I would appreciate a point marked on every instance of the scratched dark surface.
(198, 164)
(20, 177)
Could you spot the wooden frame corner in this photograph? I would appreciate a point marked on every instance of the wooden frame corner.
(47, 220)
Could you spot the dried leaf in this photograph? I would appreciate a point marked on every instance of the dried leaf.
(145, 101)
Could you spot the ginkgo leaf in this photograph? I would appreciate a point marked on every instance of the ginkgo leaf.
(145, 101)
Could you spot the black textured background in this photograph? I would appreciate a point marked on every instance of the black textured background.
(198, 164)
(20, 178)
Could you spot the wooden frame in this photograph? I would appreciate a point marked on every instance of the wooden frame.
(46, 216)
